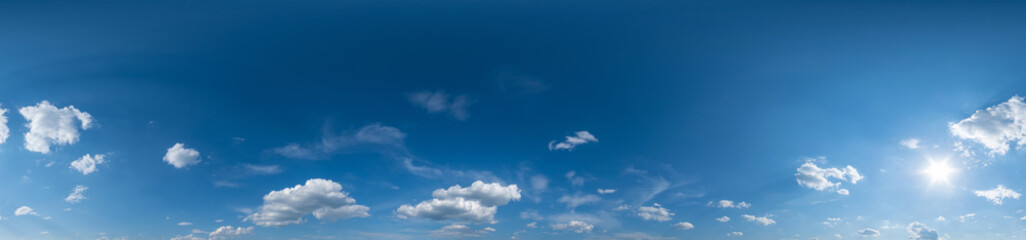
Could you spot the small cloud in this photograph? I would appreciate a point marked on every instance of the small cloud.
(24, 210)
(684, 226)
(764, 220)
(723, 219)
(728, 204)
(868, 232)
(571, 142)
(578, 199)
(440, 102)
(735, 234)
(574, 225)
(655, 212)
(184, 224)
(77, 194)
(812, 176)
(911, 143)
(87, 164)
(606, 191)
(180, 157)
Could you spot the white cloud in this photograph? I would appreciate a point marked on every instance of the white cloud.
(49, 125)
(4, 131)
(729, 204)
(995, 127)
(919, 231)
(76, 196)
(477, 203)
(571, 142)
(578, 199)
(811, 176)
(180, 157)
(941, 218)
(184, 224)
(532, 225)
(723, 219)
(765, 220)
(606, 191)
(997, 195)
(323, 198)
(187, 237)
(621, 207)
(370, 136)
(868, 232)
(735, 234)
(911, 143)
(225, 232)
(24, 210)
(832, 222)
(684, 225)
(459, 231)
(87, 164)
(655, 212)
(843, 191)
(440, 102)
(574, 225)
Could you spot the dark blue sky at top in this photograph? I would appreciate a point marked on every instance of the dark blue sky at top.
(722, 98)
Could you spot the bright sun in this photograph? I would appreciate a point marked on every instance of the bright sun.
(939, 171)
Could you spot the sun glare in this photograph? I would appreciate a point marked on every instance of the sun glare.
(939, 172)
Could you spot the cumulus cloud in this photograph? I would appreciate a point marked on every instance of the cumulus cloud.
(997, 195)
(812, 176)
(574, 225)
(460, 231)
(684, 225)
(226, 232)
(320, 197)
(728, 204)
(868, 232)
(655, 212)
(87, 164)
(76, 195)
(180, 157)
(24, 210)
(578, 199)
(765, 220)
(477, 203)
(911, 143)
(49, 125)
(4, 131)
(571, 142)
(995, 127)
(919, 231)
(370, 136)
(440, 102)
(723, 219)
(606, 191)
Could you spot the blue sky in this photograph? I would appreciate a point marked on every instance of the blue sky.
(512, 120)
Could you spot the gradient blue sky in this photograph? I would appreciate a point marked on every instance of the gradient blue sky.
(803, 114)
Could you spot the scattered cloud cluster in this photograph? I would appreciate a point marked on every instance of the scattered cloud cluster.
(49, 125)
(995, 127)
(320, 197)
(369, 136)
(441, 102)
(571, 142)
(729, 204)
(459, 231)
(997, 195)
(77, 194)
(655, 212)
(226, 232)
(812, 176)
(477, 203)
(180, 157)
(574, 225)
(87, 164)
